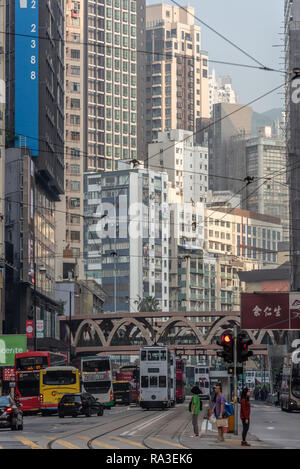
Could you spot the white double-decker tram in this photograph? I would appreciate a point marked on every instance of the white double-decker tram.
(155, 377)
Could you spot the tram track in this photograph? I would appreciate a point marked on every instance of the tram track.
(129, 421)
(177, 435)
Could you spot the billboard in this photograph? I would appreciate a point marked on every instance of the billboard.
(270, 310)
(27, 73)
(9, 346)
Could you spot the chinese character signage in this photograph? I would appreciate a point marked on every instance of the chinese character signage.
(270, 310)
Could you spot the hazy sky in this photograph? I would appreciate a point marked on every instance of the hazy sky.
(255, 26)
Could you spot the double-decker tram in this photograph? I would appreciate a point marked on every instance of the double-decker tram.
(55, 381)
(97, 378)
(290, 384)
(155, 377)
(180, 380)
(202, 380)
(27, 371)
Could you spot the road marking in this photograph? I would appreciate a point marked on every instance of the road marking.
(98, 443)
(125, 433)
(270, 428)
(67, 444)
(177, 445)
(27, 442)
(133, 443)
(145, 425)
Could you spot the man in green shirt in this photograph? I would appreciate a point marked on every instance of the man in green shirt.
(195, 408)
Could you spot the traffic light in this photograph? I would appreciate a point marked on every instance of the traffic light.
(226, 341)
(243, 343)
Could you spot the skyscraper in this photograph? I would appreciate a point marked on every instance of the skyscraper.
(34, 160)
(2, 156)
(176, 70)
(104, 117)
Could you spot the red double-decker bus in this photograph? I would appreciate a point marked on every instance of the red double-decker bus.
(180, 380)
(130, 373)
(27, 372)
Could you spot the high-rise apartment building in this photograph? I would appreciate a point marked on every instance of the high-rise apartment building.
(220, 91)
(104, 106)
(176, 70)
(186, 163)
(230, 126)
(127, 251)
(266, 160)
(35, 160)
(2, 156)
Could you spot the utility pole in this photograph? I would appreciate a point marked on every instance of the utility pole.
(235, 403)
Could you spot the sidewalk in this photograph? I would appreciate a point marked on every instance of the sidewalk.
(208, 438)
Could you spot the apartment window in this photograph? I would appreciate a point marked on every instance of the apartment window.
(75, 235)
(74, 119)
(75, 70)
(75, 54)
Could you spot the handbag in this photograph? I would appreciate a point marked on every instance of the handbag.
(222, 423)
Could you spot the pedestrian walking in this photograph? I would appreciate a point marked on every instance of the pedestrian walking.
(195, 409)
(245, 414)
(219, 412)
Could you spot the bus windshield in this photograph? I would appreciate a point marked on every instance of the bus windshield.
(59, 378)
(28, 384)
(96, 387)
(31, 363)
(121, 387)
(94, 366)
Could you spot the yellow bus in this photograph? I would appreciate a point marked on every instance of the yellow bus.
(55, 381)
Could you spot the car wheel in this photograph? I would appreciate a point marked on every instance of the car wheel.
(88, 413)
(74, 415)
(61, 416)
(14, 425)
(20, 427)
(100, 413)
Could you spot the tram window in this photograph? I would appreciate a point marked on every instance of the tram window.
(163, 355)
(153, 356)
(143, 355)
(153, 381)
(145, 381)
(162, 381)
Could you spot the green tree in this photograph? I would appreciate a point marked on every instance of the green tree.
(149, 304)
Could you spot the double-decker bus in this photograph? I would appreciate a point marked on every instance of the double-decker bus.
(55, 381)
(290, 385)
(97, 378)
(202, 380)
(130, 373)
(27, 372)
(180, 380)
(155, 377)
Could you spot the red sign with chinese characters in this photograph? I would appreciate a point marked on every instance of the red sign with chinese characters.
(270, 310)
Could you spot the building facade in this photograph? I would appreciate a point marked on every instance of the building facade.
(127, 251)
(2, 160)
(186, 163)
(176, 71)
(247, 235)
(266, 160)
(35, 160)
(104, 106)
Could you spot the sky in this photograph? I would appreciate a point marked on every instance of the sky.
(255, 26)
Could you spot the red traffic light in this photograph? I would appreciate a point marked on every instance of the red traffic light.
(226, 338)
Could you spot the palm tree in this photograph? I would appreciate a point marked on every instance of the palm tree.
(149, 304)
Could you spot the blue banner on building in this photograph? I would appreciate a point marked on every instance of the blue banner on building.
(27, 74)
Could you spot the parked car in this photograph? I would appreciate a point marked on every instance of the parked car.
(10, 413)
(79, 404)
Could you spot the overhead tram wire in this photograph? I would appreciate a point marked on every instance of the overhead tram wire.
(162, 54)
(218, 120)
(262, 66)
(84, 154)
